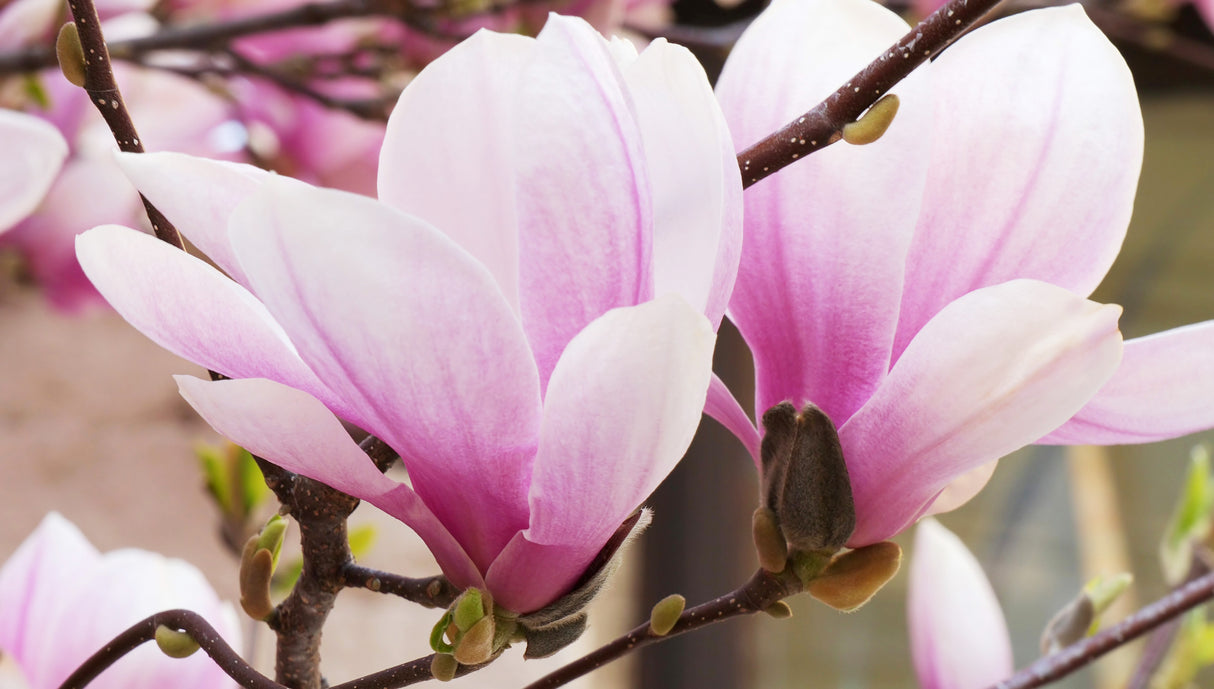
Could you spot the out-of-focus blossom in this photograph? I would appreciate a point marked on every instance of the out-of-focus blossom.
(26, 22)
(33, 152)
(958, 636)
(928, 291)
(171, 113)
(526, 315)
(61, 601)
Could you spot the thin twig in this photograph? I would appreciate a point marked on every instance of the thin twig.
(823, 125)
(189, 622)
(761, 592)
(104, 94)
(1075, 656)
(375, 109)
(431, 592)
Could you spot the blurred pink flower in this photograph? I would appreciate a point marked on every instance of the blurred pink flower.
(526, 315)
(61, 600)
(927, 290)
(172, 113)
(958, 636)
(33, 153)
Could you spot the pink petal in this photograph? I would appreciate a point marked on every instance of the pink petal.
(818, 290)
(959, 639)
(408, 328)
(995, 370)
(528, 575)
(63, 601)
(197, 195)
(723, 406)
(584, 199)
(962, 489)
(622, 406)
(33, 153)
(1054, 203)
(190, 309)
(295, 431)
(1160, 391)
(697, 191)
(449, 153)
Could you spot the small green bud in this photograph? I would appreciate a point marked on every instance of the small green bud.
(665, 615)
(852, 578)
(175, 644)
(779, 610)
(436, 634)
(1104, 591)
(475, 646)
(1191, 519)
(873, 123)
(1081, 616)
(271, 537)
(70, 54)
(769, 542)
(468, 610)
(443, 667)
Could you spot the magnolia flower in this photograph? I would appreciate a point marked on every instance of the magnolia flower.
(61, 601)
(526, 315)
(927, 291)
(958, 636)
(33, 152)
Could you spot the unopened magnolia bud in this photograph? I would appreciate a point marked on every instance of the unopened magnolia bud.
(665, 615)
(852, 578)
(256, 571)
(175, 644)
(805, 482)
(779, 610)
(70, 54)
(468, 610)
(443, 667)
(873, 123)
(1081, 616)
(769, 542)
(476, 645)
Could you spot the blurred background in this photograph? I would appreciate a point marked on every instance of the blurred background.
(91, 426)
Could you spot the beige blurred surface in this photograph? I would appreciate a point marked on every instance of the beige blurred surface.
(91, 426)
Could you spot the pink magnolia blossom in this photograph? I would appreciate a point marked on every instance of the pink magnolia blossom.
(526, 315)
(33, 152)
(61, 601)
(928, 291)
(958, 636)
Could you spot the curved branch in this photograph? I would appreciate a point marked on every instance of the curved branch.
(182, 620)
(761, 592)
(1075, 656)
(823, 125)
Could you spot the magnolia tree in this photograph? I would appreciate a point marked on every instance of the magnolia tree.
(508, 281)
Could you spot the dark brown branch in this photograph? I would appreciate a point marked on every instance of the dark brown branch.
(761, 592)
(182, 620)
(823, 125)
(103, 93)
(1071, 658)
(431, 592)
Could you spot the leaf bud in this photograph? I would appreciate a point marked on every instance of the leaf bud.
(665, 614)
(852, 578)
(1081, 616)
(475, 646)
(70, 54)
(873, 123)
(256, 572)
(468, 610)
(779, 610)
(443, 667)
(769, 542)
(175, 644)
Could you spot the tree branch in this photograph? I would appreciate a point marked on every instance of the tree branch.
(103, 93)
(823, 125)
(1075, 656)
(182, 620)
(431, 592)
(761, 592)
